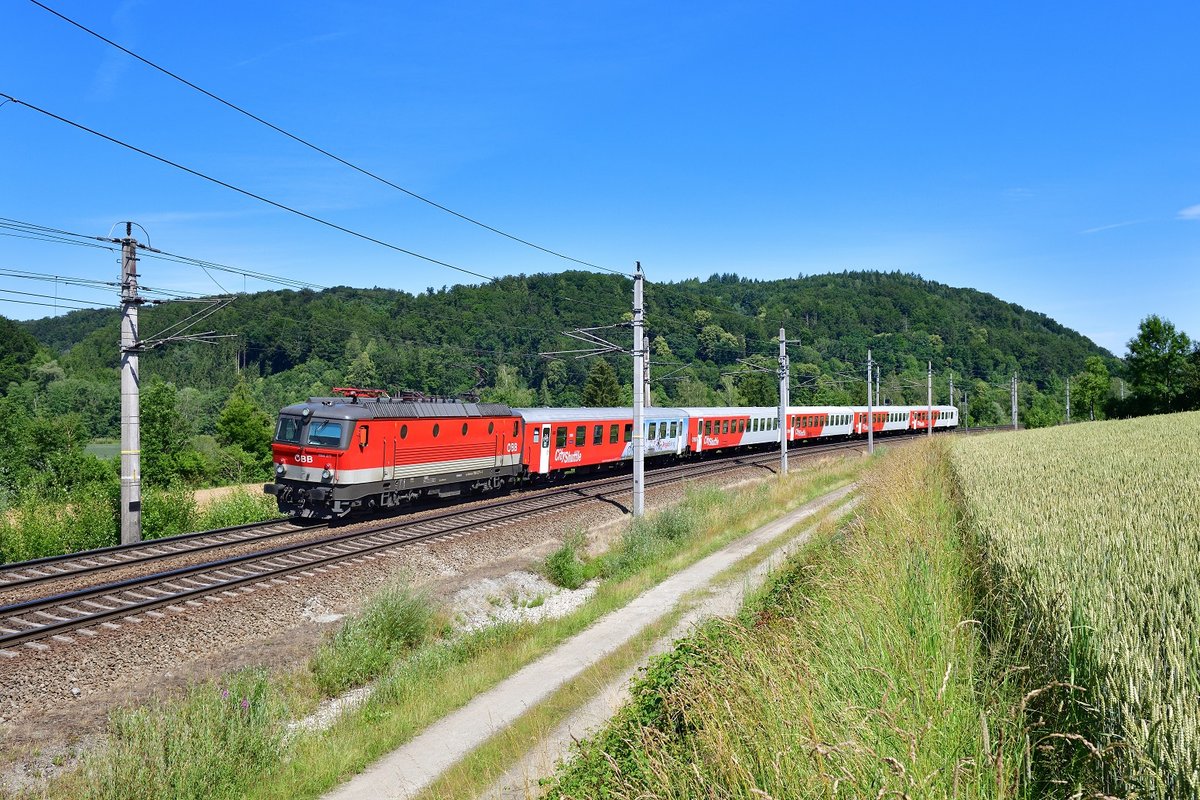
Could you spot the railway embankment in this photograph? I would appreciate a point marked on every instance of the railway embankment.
(277, 629)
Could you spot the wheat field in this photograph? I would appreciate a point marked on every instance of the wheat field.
(1090, 545)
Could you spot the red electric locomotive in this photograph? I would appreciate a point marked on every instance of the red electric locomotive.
(364, 450)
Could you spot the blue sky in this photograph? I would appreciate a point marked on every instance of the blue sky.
(1046, 153)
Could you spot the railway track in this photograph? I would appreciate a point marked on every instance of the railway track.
(87, 610)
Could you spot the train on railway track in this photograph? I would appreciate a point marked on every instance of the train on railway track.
(362, 450)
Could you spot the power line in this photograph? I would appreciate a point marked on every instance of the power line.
(318, 149)
(247, 193)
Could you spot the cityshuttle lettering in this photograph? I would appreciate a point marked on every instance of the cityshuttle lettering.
(567, 456)
(711, 441)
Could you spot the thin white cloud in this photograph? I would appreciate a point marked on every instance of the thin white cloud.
(1116, 225)
(318, 39)
(1190, 213)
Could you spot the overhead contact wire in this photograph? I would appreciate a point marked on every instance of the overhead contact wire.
(317, 148)
(248, 193)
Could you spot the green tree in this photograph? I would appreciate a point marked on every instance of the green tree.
(601, 389)
(1158, 366)
(509, 389)
(243, 424)
(17, 349)
(1091, 386)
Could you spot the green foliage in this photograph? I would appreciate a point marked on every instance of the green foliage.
(34, 527)
(1092, 386)
(238, 508)
(212, 743)
(17, 349)
(242, 424)
(1158, 367)
(394, 621)
(602, 389)
(564, 567)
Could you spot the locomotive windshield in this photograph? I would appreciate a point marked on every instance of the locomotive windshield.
(325, 433)
(288, 430)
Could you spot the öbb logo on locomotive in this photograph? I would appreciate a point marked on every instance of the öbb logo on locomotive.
(379, 452)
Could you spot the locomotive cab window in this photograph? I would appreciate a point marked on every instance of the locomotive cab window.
(325, 433)
(515, 428)
(288, 430)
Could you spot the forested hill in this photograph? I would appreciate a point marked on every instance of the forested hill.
(452, 340)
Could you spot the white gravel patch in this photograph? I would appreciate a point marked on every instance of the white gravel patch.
(519, 596)
(329, 710)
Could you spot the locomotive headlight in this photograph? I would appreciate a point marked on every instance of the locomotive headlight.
(326, 473)
(279, 469)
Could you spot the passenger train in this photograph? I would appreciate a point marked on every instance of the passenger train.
(363, 450)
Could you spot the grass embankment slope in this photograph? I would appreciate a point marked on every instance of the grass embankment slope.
(854, 674)
(1014, 616)
(1090, 538)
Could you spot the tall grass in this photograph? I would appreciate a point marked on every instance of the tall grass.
(854, 675)
(36, 525)
(1091, 536)
(394, 621)
(212, 743)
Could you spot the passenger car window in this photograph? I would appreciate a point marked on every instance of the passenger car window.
(560, 436)
(629, 431)
(613, 433)
(581, 436)
(598, 435)
(653, 431)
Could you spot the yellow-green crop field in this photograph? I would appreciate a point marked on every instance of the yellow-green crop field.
(1090, 549)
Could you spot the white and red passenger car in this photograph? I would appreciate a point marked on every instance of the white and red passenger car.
(364, 450)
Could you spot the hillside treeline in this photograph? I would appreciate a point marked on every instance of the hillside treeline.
(206, 406)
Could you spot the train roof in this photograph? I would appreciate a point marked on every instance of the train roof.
(386, 408)
(596, 414)
(728, 411)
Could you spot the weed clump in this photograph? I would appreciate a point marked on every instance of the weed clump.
(564, 567)
(396, 620)
(211, 743)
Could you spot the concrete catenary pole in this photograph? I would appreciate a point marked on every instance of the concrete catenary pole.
(647, 398)
(639, 441)
(1014, 402)
(878, 394)
(785, 379)
(929, 379)
(870, 409)
(131, 454)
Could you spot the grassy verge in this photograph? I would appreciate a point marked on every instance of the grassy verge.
(438, 674)
(856, 673)
(36, 526)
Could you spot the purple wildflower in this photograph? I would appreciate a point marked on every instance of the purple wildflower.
(245, 702)
(224, 694)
